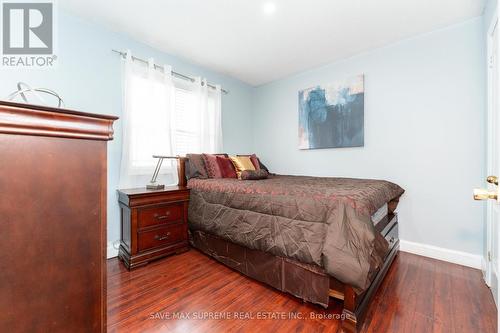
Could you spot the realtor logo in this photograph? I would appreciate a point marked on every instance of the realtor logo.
(28, 34)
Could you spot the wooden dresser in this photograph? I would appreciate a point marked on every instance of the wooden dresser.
(153, 224)
(53, 174)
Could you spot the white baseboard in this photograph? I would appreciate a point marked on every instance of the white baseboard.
(112, 252)
(453, 256)
(456, 257)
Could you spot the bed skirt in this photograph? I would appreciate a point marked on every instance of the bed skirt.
(305, 281)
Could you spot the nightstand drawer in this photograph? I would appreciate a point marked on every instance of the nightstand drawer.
(161, 237)
(160, 215)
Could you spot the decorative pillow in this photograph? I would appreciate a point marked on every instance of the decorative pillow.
(241, 163)
(262, 166)
(196, 166)
(187, 169)
(226, 167)
(254, 174)
(256, 162)
(213, 169)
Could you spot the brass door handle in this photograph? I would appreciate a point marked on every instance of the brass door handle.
(492, 180)
(481, 194)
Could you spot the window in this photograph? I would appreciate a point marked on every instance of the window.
(187, 134)
(149, 119)
(165, 116)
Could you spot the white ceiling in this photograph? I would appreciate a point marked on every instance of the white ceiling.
(237, 37)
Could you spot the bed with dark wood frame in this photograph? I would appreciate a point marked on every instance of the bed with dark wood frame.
(289, 276)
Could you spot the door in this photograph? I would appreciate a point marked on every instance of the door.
(491, 271)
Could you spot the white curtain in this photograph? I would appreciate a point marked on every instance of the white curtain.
(209, 121)
(217, 119)
(146, 120)
(165, 116)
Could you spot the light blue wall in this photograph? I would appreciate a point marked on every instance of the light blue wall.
(489, 11)
(425, 110)
(88, 77)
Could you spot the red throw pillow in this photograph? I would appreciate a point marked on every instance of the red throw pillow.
(213, 169)
(226, 167)
(255, 161)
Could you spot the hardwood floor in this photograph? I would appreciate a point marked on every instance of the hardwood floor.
(418, 295)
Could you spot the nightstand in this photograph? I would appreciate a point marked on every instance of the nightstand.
(153, 224)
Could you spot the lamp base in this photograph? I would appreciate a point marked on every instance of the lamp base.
(155, 187)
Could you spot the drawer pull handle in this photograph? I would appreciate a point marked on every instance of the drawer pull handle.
(391, 240)
(160, 238)
(162, 217)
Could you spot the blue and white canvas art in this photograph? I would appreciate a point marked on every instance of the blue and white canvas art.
(332, 116)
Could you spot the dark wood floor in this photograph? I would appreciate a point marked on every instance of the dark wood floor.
(418, 295)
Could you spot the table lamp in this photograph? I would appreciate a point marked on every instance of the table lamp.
(153, 184)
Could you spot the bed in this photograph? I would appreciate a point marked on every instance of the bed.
(312, 237)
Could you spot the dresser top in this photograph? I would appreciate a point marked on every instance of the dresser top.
(54, 109)
(36, 120)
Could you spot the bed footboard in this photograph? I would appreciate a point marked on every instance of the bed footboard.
(356, 306)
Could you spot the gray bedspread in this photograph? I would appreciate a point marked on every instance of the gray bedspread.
(315, 220)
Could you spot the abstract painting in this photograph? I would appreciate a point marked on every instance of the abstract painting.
(332, 116)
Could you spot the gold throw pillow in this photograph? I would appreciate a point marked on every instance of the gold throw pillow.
(242, 163)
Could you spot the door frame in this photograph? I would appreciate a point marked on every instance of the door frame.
(488, 266)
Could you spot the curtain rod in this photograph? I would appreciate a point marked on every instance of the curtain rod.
(179, 75)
